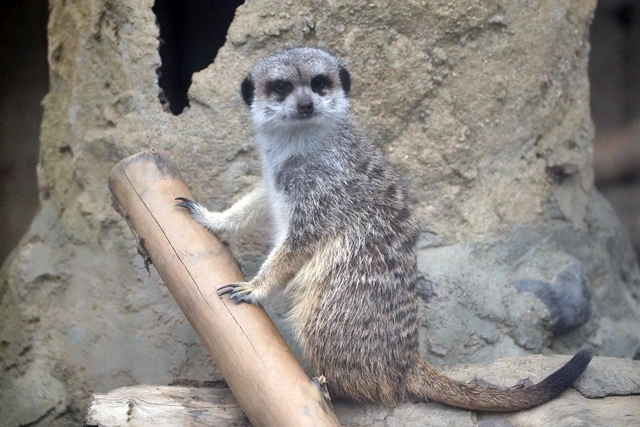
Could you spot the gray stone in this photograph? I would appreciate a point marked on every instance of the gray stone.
(568, 298)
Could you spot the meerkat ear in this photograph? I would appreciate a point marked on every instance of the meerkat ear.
(247, 88)
(345, 79)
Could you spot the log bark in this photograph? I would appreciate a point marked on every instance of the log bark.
(260, 369)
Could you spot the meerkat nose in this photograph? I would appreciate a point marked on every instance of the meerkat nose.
(305, 107)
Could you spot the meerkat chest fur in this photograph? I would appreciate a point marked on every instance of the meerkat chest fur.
(277, 150)
(307, 185)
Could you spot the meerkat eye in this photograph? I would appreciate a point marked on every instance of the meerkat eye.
(319, 83)
(281, 87)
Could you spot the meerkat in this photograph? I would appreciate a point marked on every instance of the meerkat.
(345, 238)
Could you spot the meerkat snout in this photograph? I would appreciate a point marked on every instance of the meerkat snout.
(305, 105)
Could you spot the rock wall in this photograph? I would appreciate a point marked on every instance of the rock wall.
(482, 105)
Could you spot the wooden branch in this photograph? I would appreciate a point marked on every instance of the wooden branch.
(248, 350)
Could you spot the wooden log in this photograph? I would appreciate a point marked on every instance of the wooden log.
(164, 406)
(248, 350)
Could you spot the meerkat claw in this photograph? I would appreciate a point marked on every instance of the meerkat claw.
(186, 203)
(240, 298)
(237, 292)
(226, 289)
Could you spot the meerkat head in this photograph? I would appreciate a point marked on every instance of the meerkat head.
(297, 90)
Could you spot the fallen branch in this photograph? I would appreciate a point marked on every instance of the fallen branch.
(248, 350)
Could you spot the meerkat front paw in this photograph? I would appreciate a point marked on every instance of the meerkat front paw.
(240, 292)
(212, 221)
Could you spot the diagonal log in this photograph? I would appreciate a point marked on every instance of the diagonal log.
(248, 350)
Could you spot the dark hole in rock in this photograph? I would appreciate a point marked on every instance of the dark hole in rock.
(191, 32)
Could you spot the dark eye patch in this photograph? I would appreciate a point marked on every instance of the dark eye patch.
(279, 87)
(320, 84)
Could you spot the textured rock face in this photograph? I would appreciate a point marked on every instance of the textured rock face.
(482, 105)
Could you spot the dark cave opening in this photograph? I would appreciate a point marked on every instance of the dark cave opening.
(191, 33)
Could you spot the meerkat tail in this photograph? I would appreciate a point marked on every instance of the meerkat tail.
(428, 384)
